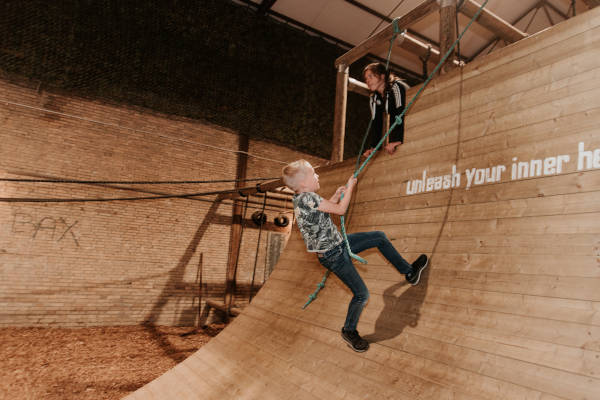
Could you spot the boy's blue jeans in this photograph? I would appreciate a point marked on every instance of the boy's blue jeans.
(338, 261)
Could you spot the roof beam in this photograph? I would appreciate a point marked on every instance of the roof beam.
(265, 6)
(389, 20)
(556, 10)
(448, 33)
(481, 49)
(548, 14)
(359, 87)
(592, 3)
(421, 49)
(378, 39)
(491, 21)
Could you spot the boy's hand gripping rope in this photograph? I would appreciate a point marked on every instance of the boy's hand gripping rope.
(397, 122)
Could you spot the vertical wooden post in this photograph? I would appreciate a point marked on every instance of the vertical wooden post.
(200, 289)
(447, 32)
(235, 237)
(339, 117)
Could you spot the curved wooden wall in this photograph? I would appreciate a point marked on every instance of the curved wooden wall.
(509, 308)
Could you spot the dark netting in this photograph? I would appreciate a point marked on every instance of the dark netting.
(211, 60)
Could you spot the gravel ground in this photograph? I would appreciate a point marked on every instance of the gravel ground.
(91, 363)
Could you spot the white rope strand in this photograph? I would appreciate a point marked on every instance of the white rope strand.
(139, 130)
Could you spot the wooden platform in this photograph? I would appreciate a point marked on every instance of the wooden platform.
(510, 306)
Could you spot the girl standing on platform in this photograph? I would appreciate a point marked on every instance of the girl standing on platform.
(388, 96)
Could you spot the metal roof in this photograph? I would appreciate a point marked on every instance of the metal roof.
(349, 22)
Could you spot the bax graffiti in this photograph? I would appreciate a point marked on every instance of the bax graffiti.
(49, 228)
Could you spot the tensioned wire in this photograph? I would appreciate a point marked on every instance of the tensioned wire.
(155, 197)
(96, 200)
(185, 195)
(85, 182)
(140, 130)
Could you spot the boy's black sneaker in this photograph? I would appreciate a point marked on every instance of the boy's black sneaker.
(418, 266)
(354, 340)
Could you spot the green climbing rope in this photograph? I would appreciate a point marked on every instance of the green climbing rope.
(320, 286)
(437, 67)
(397, 121)
(387, 65)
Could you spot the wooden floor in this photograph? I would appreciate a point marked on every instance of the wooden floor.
(510, 306)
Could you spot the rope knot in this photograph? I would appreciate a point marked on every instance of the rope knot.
(396, 27)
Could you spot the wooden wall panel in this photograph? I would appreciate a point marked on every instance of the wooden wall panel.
(509, 308)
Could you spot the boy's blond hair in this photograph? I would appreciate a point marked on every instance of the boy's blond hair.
(295, 172)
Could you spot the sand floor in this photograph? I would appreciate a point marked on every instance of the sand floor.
(91, 363)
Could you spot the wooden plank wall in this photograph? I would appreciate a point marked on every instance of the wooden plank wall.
(509, 308)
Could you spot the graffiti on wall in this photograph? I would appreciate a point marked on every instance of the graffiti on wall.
(57, 229)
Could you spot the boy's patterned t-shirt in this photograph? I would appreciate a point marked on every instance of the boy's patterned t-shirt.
(318, 230)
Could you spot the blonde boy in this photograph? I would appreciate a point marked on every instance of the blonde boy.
(321, 236)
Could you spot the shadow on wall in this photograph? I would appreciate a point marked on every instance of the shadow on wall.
(405, 309)
(176, 280)
(399, 311)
